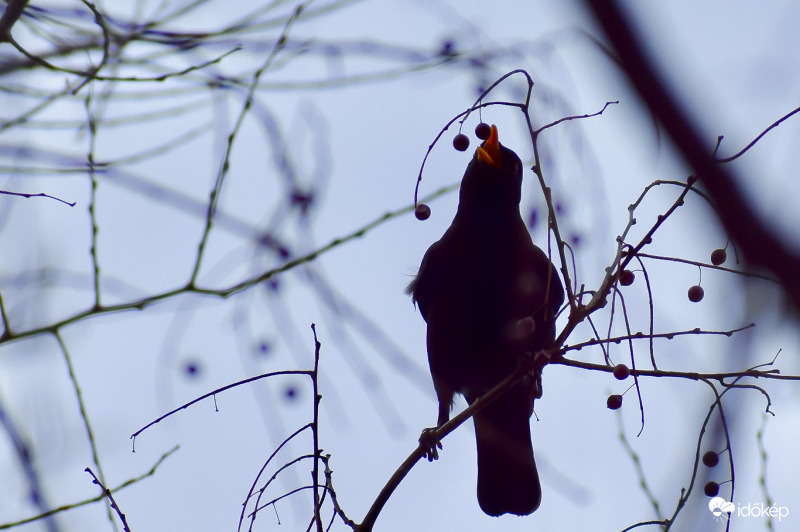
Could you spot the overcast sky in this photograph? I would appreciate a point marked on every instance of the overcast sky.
(359, 146)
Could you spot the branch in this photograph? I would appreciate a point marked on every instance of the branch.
(773, 374)
(107, 493)
(139, 304)
(213, 393)
(13, 11)
(575, 117)
(100, 497)
(438, 434)
(641, 335)
(39, 195)
(755, 140)
(759, 245)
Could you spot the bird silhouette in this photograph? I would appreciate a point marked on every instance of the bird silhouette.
(489, 295)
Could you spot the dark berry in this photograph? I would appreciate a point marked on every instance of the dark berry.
(301, 199)
(696, 293)
(626, 278)
(422, 212)
(192, 369)
(710, 459)
(711, 489)
(614, 401)
(718, 256)
(447, 48)
(621, 372)
(461, 142)
(483, 130)
(290, 393)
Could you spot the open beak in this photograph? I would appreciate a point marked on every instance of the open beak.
(489, 151)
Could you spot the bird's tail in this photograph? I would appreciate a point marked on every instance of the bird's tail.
(508, 481)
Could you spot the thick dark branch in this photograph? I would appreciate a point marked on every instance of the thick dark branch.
(12, 13)
(759, 244)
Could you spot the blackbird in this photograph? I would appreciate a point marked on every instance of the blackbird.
(489, 295)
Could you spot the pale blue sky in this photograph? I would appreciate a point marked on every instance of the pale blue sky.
(735, 63)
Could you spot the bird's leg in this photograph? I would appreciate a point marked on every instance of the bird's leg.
(430, 444)
(428, 440)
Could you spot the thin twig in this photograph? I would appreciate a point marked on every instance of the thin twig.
(39, 195)
(110, 496)
(755, 140)
(72, 506)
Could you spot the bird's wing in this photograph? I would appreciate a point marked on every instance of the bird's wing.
(421, 288)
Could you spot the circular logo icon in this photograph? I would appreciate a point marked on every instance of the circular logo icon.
(717, 505)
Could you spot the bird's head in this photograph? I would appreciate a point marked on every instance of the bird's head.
(494, 176)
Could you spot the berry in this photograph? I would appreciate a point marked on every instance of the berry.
(711, 489)
(461, 142)
(696, 293)
(710, 459)
(718, 256)
(422, 212)
(483, 130)
(621, 372)
(290, 393)
(626, 278)
(447, 48)
(192, 369)
(614, 401)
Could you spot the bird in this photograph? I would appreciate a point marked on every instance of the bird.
(488, 296)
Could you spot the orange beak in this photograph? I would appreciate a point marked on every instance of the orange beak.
(489, 151)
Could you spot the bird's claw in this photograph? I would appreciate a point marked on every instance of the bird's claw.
(430, 444)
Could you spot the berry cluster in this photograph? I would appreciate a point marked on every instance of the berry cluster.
(461, 143)
(696, 292)
(482, 131)
(621, 372)
(711, 459)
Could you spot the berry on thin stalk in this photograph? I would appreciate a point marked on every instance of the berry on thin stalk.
(422, 212)
(710, 459)
(614, 401)
(626, 278)
(461, 142)
(483, 130)
(696, 293)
